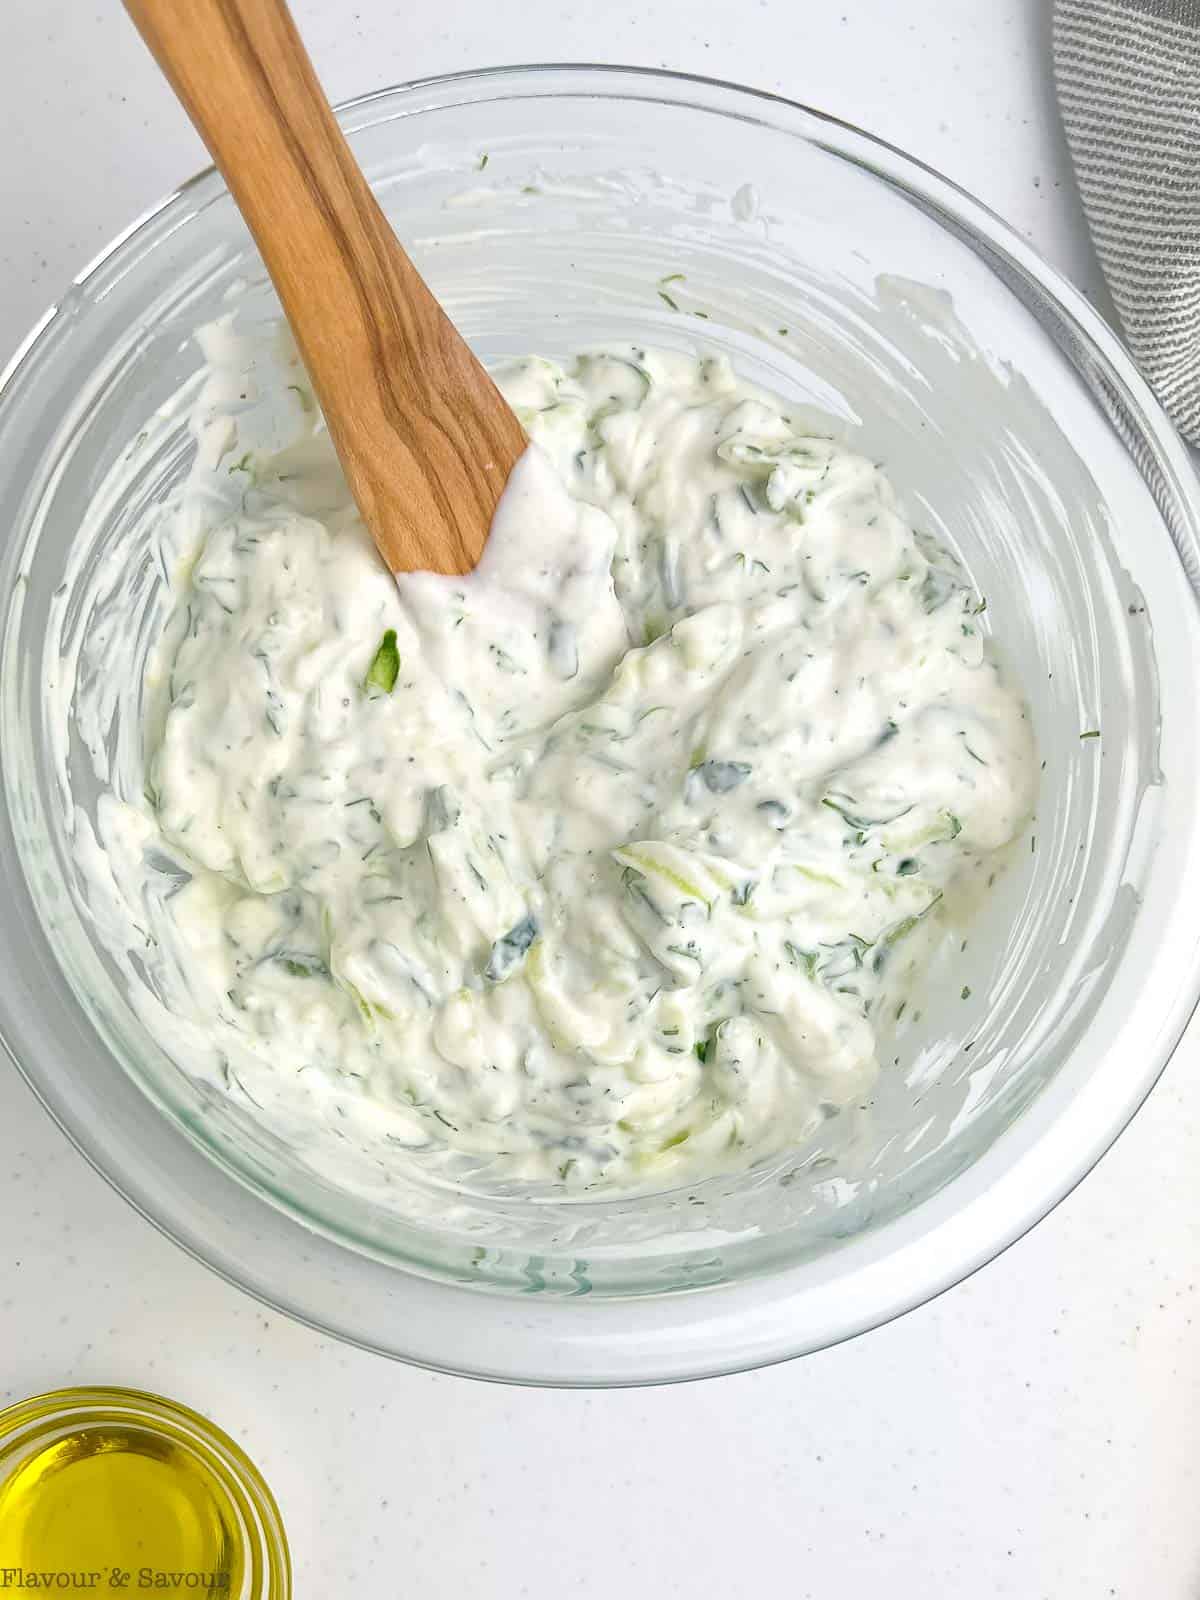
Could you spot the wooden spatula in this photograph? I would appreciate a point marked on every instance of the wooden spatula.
(425, 438)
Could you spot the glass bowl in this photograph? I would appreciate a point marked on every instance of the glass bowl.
(545, 205)
(116, 1489)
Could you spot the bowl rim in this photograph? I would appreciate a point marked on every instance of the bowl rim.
(627, 1351)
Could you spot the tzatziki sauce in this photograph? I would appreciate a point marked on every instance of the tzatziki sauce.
(612, 862)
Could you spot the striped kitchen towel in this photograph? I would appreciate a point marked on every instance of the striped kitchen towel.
(1128, 80)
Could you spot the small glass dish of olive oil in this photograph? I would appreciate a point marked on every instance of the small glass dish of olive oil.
(111, 1488)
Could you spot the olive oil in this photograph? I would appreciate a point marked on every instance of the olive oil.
(125, 1490)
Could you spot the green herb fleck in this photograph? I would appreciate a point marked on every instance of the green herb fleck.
(385, 665)
(705, 1047)
(308, 968)
(666, 298)
(906, 925)
(1092, 733)
(507, 953)
(966, 991)
(860, 823)
(802, 958)
(483, 160)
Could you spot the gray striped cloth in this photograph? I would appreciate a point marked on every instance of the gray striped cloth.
(1128, 80)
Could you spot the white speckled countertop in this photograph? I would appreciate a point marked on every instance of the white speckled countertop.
(1034, 1433)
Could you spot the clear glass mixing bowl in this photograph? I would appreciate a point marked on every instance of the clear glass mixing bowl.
(1011, 419)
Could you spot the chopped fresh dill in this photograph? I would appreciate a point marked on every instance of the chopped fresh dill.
(507, 953)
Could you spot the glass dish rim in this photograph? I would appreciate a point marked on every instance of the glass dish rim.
(983, 225)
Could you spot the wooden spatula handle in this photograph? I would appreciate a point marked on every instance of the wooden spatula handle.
(426, 440)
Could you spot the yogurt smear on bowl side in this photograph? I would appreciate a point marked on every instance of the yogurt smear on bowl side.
(610, 863)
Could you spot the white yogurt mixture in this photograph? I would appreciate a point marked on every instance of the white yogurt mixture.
(614, 862)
